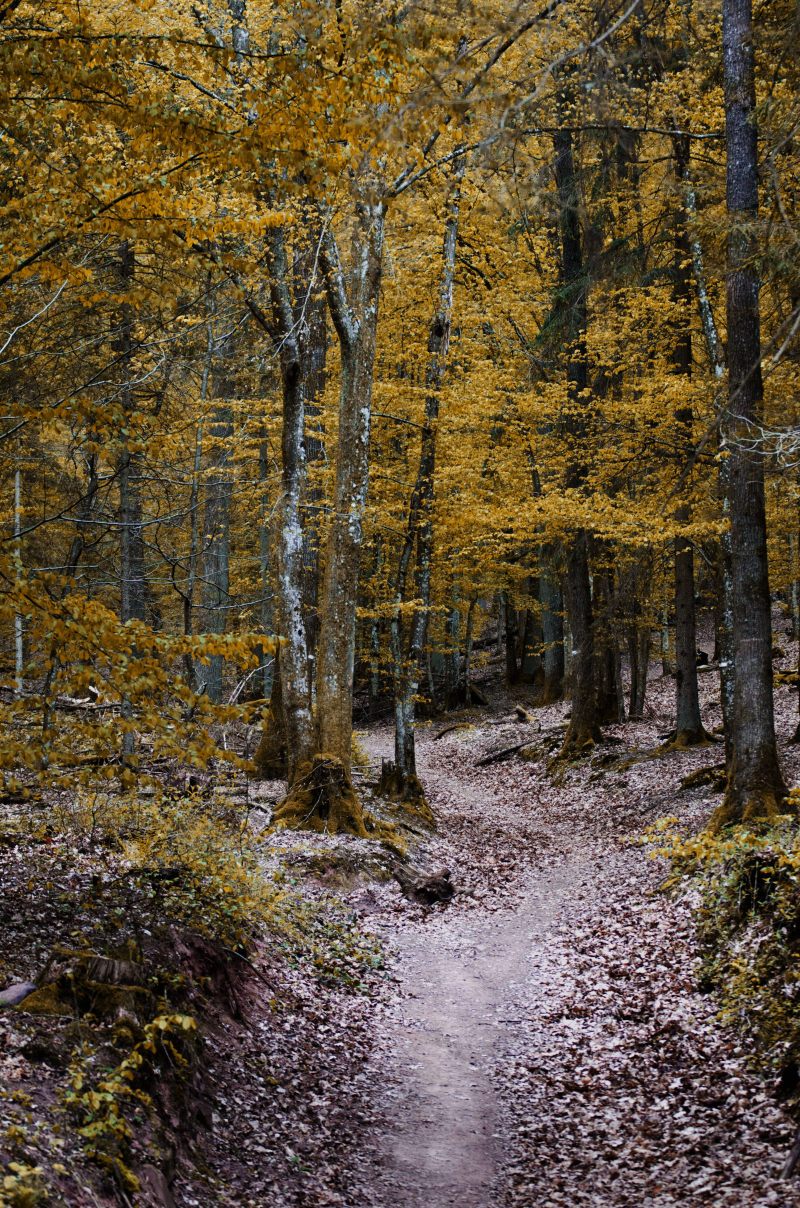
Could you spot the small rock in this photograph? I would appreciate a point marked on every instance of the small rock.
(155, 1188)
(13, 995)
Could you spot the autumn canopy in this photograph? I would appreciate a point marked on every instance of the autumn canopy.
(338, 334)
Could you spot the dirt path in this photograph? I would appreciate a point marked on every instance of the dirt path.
(443, 1146)
(548, 1045)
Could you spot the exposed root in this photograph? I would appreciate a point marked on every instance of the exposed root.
(578, 744)
(715, 776)
(322, 799)
(684, 740)
(394, 786)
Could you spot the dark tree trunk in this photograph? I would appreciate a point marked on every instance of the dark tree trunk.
(295, 702)
(688, 726)
(532, 668)
(552, 630)
(452, 659)
(755, 784)
(133, 590)
(407, 662)
(583, 728)
(511, 639)
(216, 544)
(608, 695)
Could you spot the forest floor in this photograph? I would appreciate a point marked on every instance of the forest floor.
(548, 1044)
(539, 1041)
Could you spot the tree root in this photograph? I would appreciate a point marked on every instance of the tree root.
(716, 776)
(321, 799)
(406, 789)
(684, 740)
(757, 805)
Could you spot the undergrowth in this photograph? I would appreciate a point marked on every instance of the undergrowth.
(748, 919)
(112, 876)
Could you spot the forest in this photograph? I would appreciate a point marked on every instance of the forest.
(399, 603)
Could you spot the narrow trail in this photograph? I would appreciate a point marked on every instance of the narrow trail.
(445, 1147)
(548, 1045)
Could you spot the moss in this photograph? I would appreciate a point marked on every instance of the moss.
(749, 927)
(760, 806)
(322, 799)
(46, 1000)
(67, 987)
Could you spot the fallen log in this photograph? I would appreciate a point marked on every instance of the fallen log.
(496, 756)
(459, 725)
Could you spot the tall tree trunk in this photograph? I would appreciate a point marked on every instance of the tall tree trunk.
(688, 725)
(133, 594)
(355, 318)
(532, 665)
(511, 639)
(289, 613)
(133, 589)
(194, 502)
(452, 657)
(420, 520)
(583, 729)
(216, 521)
(311, 317)
(19, 660)
(724, 592)
(608, 662)
(755, 783)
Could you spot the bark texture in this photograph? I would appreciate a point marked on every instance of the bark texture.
(583, 729)
(755, 783)
(688, 725)
(355, 317)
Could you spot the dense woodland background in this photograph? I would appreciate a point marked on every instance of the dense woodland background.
(356, 358)
(368, 328)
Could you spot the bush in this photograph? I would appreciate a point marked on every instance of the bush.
(749, 929)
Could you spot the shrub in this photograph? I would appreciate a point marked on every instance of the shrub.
(748, 918)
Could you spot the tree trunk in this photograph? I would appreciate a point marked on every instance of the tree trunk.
(552, 630)
(289, 615)
(583, 729)
(755, 783)
(511, 639)
(194, 503)
(133, 589)
(420, 518)
(606, 642)
(724, 593)
(688, 726)
(452, 659)
(19, 660)
(467, 685)
(355, 317)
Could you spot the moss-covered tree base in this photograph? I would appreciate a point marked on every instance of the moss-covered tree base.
(684, 740)
(393, 786)
(578, 743)
(321, 799)
(758, 805)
